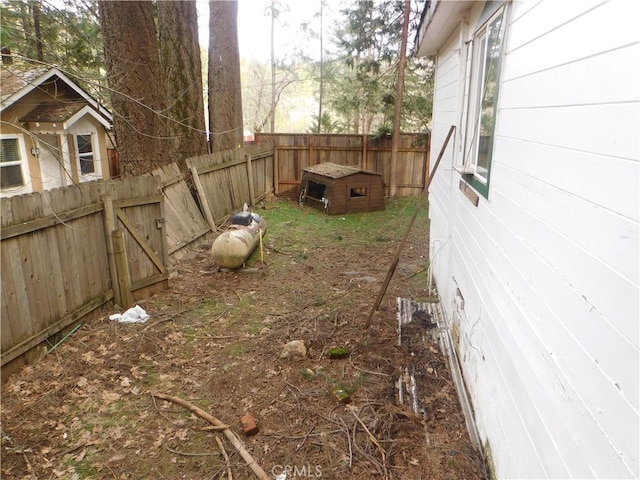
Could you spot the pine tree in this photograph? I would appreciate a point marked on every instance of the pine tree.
(181, 68)
(137, 100)
(225, 95)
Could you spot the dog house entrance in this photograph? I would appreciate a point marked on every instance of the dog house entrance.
(315, 190)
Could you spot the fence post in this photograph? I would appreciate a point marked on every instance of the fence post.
(161, 223)
(250, 179)
(122, 267)
(110, 226)
(364, 165)
(276, 166)
(427, 157)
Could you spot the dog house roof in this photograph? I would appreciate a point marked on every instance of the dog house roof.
(334, 170)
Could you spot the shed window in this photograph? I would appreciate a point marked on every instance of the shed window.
(316, 190)
(85, 154)
(358, 192)
(10, 164)
(483, 99)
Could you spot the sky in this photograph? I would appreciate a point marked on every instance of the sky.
(254, 25)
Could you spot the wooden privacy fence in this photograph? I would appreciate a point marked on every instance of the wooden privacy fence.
(66, 252)
(226, 180)
(293, 152)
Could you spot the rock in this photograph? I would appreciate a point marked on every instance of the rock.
(295, 349)
(341, 394)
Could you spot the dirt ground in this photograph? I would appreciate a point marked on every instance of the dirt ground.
(216, 339)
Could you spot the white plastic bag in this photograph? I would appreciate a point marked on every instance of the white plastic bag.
(133, 315)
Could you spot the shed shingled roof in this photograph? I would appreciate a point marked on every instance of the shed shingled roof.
(333, 170)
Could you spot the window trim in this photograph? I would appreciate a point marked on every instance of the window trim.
(474, 110)
(23, 161)
(79, 156)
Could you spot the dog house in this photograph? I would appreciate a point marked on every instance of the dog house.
(337, 189)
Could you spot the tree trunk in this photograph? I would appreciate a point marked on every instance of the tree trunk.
(321, 71)
(395, 140)
(182, 71)
(131, 57)
(225, 95)
(272, 110)
(36, 26)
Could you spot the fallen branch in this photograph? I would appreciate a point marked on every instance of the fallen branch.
(29, 466)
(226, 457)
(373, 439)
(233, 438)
(189, 454)
(212, 320)
(214, 427)
(167, 318)
(82, 444)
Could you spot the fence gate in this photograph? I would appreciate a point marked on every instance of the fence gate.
(138, 255)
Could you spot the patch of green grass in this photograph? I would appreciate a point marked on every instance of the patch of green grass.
(151, 375)
(301, 256)
(290, 226)
(453, 464)
(190, 332)
(318, 301)
(308, 374)
(255, 326)
(84, 469)
(207, 307)
(236, 350)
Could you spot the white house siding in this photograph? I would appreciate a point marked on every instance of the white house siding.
(548, 265)
(446, 103)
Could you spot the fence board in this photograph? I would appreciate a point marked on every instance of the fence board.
(7, 303)
(14, 293)
(55, 265)
(40, 303)
(31, 308)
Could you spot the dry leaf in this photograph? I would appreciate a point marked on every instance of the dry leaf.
(80, 456)
(110, 397)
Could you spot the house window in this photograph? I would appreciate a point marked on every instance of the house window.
(483, 100)
(10, 164)
(85, 154)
